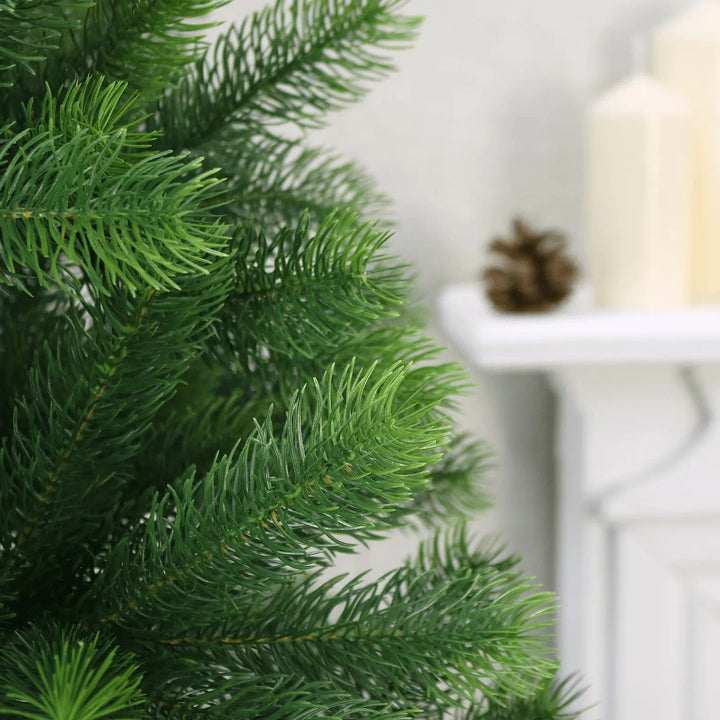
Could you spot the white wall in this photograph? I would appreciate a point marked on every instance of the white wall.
(485, 119)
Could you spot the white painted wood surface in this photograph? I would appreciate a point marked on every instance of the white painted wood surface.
(638, 492)
(579, 335)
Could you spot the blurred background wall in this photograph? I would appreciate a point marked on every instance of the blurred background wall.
(485, 119)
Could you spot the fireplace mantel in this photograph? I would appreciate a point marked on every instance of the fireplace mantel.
(638, 491)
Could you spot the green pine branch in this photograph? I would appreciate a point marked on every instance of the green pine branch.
(186, 437)
(277, 507)
(7, 600)
(26, 321)
(453, 490)
(219, 398)
(30, 30)
(289, 63)
(271, 378)
(208, 414)
(58, 673)
(553, 699)
(216, 406)
(300, 291)
(271, 182)
(91, 395)
(198, 689)
(194, 422)
(79, 187)
(387, 640)
(385, 344)
(148, 44)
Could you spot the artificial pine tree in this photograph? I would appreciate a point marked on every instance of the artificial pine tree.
(206, 393)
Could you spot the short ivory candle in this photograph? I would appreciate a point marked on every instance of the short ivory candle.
(686, 58)
(639, 196)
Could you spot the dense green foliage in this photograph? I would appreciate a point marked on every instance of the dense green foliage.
(208, 390)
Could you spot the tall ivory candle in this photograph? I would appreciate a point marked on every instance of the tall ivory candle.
(686, 57)
(639, 196)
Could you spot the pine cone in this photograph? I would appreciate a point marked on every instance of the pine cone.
(535, 275)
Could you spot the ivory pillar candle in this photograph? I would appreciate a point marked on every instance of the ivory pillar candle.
(639, 196)
(686, 58)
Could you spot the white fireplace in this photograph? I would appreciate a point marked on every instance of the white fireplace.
(637, 550)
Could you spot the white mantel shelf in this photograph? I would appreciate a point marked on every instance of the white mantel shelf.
(637, 476)
(576, 336)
